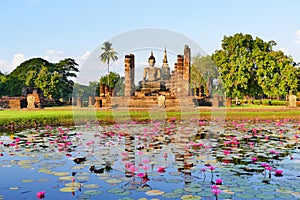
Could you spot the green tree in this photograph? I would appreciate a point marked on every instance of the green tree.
(66, 69)
(17, 79)
(249, 67)
(117, 82)
(276, 74)
(49, 83)
(31, 76)
(107, 55)
(236, 65)
(27, 73)
(203, 69)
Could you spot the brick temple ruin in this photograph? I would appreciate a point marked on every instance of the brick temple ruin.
(159, 86)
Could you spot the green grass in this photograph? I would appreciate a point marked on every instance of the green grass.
(67, 116)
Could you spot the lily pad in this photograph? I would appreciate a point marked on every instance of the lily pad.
(284, 196)
(193, 189)
(82, 178)
(244, 196)
(265, 196)
(60, 173)
(171, 195)
(74, 184)
(154, 192)
(68, 189)
(27, 181)
(190, 197)
(113, 181)
(65, 178)
(91, 186)
(92, 192)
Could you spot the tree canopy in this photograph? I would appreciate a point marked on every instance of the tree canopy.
(115, 81)
(52, 78)
(249, 67)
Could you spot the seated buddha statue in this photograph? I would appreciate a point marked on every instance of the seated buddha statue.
(152, 75)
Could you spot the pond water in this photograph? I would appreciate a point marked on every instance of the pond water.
(160, 160)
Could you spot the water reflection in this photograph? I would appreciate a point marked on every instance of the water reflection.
(161, 158)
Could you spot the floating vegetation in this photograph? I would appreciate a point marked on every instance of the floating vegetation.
(169, 160)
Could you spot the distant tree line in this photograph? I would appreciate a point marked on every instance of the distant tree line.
(248, 67)
(52, 78)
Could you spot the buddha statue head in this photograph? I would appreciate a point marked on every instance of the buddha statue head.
(151, 59)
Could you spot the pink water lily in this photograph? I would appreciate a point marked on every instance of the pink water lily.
(254, 159)
(219, 181)
(40, 194)
(278, 172)
(141, 175)
(214, 187)
(226, 152)
(216, 191)
(161, 169)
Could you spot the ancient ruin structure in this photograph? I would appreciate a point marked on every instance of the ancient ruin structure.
(159, 87)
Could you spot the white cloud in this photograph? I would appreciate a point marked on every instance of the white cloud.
(54, 56)
(4, 68)
(297, 40)
(18, 59)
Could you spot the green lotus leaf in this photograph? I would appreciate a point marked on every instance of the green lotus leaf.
(92, 192)
(154, 192)
(68, 189)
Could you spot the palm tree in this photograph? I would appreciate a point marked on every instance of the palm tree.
(107, 55)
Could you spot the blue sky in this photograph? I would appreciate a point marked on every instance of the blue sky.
(54, 29)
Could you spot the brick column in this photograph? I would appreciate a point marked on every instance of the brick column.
(129, 75)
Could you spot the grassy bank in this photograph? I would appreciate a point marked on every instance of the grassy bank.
(18, 119)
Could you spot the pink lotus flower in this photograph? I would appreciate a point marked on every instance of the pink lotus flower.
(264, 165)
(211, 167)
(273, 152)
(216, 191)
(1, 142)
(133, 169)
(219, 181)
(226, 152)
(141, 175)
(140, 152)
(214, 187)
(278, 172)
(268, 168)
(254, 159)
(17, 140)
(40, 194)
(161, 169)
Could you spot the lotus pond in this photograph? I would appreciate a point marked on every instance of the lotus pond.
(171, 159)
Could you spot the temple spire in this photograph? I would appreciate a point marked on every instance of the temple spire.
(165, 56)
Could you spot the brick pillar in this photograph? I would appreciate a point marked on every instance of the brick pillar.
(129, 75)
(79, 102)
(102, 90)
(186, 69)
(106, 90)
(179, 75)
(91, 101)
